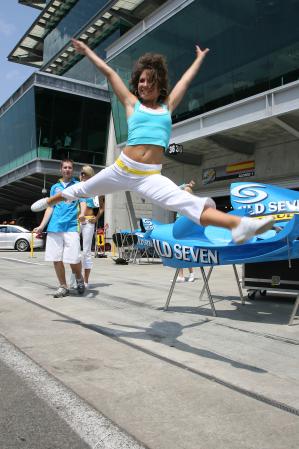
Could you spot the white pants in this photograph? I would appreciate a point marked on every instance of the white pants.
(63, 246)
(87, 230)
(126, 174)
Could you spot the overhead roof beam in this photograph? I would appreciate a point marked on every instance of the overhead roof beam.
(38, 40)
(10, 199)
(235, 145)
(33, 182)
(105, 20)
(108, 18)
(52, 13)
(38, 4)
(27, 187)
(129, 18)
(286, 127)
(5, 211)
(263, 106)
(30, 59)
(13, 190)
(32, 51)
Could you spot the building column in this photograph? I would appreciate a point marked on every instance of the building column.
(116, 214)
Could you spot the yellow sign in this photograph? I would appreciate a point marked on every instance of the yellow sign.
(281, 217)
(100, 240)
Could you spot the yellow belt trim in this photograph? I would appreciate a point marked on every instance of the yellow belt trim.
(124, 167)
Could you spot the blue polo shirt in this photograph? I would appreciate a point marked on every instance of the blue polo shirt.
(65, 215)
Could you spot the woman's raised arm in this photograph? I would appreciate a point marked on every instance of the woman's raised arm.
(179, 90)
(118, 86)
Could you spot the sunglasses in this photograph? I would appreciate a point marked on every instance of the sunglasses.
(83, 174)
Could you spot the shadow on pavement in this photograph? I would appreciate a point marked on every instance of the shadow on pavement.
(166, 333)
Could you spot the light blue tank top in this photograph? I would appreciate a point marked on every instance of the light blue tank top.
(92, 203)
(146, 127)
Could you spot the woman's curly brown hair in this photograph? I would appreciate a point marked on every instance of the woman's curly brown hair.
(156, 65)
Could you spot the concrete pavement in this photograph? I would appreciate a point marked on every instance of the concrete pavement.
(176, 379)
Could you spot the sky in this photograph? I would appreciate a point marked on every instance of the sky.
(15, 19)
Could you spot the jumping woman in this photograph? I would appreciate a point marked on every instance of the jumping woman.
(149, 106)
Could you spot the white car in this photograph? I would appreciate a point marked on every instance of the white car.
(16, 237)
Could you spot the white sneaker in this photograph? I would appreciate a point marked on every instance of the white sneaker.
(86, 284)
(191, 277)
(40, 205)
(180, 279)
(249, 227)
(61, 292)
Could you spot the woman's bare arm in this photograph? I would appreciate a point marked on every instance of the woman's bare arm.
(179, 90)
(117, 84)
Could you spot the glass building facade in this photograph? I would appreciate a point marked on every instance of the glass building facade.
(254, 46)
(18, 134)
(72, 126)
(84, 70)
(76, 18)
(51, 124)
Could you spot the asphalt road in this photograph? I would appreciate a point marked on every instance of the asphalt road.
(27, 421)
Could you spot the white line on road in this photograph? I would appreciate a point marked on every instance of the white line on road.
(21, 261)
(92, 427)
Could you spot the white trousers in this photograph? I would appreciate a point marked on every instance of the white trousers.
(126, 174)
(87, 230)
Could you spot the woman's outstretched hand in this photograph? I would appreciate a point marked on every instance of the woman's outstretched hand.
(79, 46)
(201, 53)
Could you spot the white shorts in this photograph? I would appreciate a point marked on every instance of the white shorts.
(63, 246)
(145, 179)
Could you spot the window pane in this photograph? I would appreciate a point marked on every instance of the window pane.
(17, 133)
(76, 18)
(12, 230)
(71, 126)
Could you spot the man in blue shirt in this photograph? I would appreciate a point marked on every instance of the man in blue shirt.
(63, 239)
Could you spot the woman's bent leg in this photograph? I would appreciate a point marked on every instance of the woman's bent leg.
(215, 217)
(165, 193)
(104, 182)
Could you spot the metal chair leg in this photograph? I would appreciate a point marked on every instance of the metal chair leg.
(204, 287)
(171, 289)
(294, 312)
(238, 284)
(205, 279)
